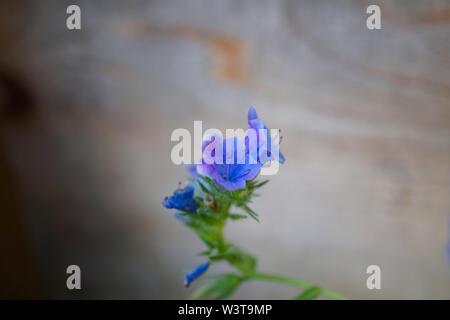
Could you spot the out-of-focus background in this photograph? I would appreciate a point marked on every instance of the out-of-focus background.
(86, 118)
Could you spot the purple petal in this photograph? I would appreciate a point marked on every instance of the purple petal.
(252, 114)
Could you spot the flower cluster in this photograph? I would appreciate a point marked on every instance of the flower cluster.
(238, 163)
(224, 177)
(182, 199)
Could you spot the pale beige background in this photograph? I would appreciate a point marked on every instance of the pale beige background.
(365, 117)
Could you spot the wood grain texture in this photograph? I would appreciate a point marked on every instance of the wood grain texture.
(365, 117)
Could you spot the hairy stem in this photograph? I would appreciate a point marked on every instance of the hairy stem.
(223, 213)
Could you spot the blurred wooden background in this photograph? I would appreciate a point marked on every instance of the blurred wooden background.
(87, 117)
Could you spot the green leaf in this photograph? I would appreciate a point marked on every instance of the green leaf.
(207, 232)
(236, 216)
(213, 187)
(218, 287)
(250, 212)
(244, 261)
(259, 185)
(221, 256)
(204, 189)
(205, 253)
(310, 293)
(237, 257)
(208, 238)
(208, 216)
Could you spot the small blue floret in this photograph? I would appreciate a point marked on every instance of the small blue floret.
(182, 199)
(195, 273)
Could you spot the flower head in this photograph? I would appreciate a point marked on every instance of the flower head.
(231, 162)
(195, 273)
(182, 199)
(235, 167)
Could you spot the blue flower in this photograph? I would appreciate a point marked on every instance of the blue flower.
(182, 199)
(235, 168)
(195, 273)
(268, 149)
(243, 161)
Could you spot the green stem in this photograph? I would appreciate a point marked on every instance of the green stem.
(223, 213)
(294, 282)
